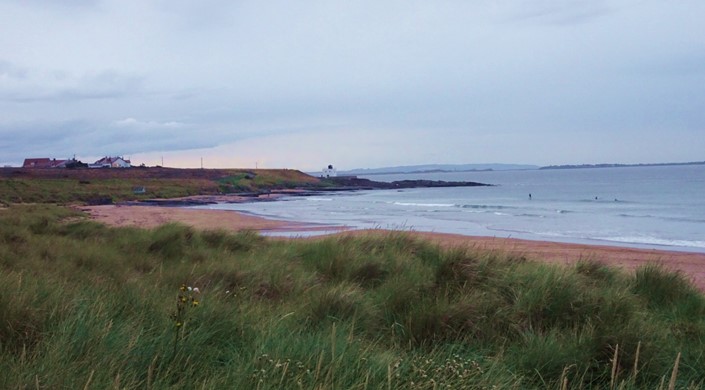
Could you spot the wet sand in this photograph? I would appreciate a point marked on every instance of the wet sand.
(691, 264)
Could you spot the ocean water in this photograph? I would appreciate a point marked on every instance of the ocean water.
(649, 207)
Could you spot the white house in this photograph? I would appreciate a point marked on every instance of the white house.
(329, 172)
(111, 162)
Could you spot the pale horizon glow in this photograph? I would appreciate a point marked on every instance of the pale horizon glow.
(355, 84)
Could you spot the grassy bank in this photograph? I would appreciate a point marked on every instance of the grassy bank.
(66, 186)
(87, 306)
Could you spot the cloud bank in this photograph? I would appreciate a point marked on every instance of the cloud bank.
(357, 84)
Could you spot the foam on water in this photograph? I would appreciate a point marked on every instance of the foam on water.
(654, 241)
(424, 204)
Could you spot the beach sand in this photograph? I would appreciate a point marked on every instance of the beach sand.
(691, 264)
(153, 216)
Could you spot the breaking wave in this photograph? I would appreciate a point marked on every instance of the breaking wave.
(424, 204)
(653, 241)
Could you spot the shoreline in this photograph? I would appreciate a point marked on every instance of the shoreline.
(692, 264)
(203, 202)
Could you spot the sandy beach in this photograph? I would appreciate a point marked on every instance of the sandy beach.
(691, 264)
(153, 216)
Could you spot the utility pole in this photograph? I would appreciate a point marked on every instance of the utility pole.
(201, 162)
(162, 161)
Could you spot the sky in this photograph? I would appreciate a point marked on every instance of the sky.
(356, 84)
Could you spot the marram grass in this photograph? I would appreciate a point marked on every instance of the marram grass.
(87, 306)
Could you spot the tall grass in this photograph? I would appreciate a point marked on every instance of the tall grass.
(87, 306)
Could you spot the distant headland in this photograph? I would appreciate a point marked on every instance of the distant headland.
(457, 168)
(620, 165)
(436, 168)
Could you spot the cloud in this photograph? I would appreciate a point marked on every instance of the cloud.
(558, 13)
(10, 72)
(59, 4)
(25, 140)
(60, 139)
(133, 77)
(134, 123)
(26, 85)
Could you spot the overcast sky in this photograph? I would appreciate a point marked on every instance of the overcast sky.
(357, 84)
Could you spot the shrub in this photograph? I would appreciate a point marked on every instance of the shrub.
(171, 241)
(337, 303)
(662, 288)
(243, 240)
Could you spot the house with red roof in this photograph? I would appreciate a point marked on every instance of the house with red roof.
(44, 163)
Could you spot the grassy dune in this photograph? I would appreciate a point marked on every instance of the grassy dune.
(87, 306)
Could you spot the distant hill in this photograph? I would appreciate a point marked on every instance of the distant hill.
(619, 165)
(433, 168)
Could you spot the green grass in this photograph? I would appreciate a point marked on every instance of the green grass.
(83, 305)
(65, 191)
(98, 186)
(265, 179)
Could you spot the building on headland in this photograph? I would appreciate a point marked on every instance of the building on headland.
(44, 163)
(48, 163)
(329, 172)
(111, 162)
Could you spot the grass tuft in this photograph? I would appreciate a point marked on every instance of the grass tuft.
(85, 305)
(663, 288)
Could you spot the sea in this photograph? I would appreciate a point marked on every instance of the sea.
(660, 207)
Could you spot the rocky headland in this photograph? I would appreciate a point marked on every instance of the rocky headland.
(332, 184)
(346, 183)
